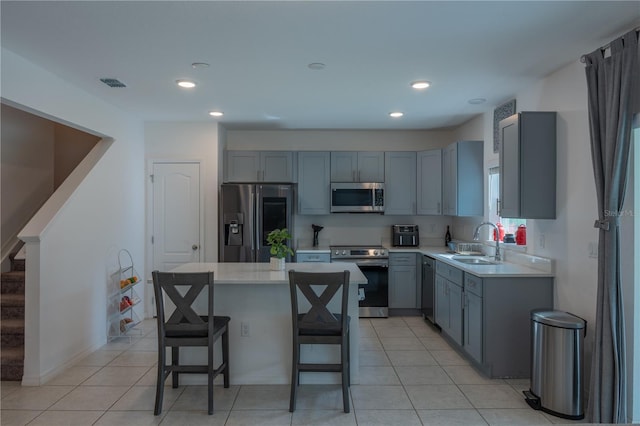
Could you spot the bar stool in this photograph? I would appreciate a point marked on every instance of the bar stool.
(186, 328)
(318, 325)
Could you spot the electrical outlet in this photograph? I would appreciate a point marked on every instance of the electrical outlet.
(432, 228)
(244, 329)
(541, 240)
(593, 250)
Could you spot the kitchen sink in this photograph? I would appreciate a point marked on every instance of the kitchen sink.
(472, 260)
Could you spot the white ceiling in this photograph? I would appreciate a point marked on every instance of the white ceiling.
(259, 51)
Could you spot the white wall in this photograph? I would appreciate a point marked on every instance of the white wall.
(79, 239)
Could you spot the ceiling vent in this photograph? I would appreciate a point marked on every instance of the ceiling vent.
(113, 82)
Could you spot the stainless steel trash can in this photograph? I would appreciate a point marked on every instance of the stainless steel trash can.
(557, 353)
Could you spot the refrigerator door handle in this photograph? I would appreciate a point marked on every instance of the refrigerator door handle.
(252, 214)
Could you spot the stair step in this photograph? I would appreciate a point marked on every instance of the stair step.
(18, 264)
(12, 300)
(12, 363)
(12, 282)
(11, 312)
(12, 326)
(11, 333)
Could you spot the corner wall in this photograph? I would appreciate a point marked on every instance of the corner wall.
(78, 242)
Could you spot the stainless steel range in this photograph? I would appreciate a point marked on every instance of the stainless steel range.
(373, 261)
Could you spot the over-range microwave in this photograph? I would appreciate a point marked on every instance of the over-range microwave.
(354, 197)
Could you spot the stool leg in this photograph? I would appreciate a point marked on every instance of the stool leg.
(160, 381)
(345, 373)
(175, 361)
(210, 376)
(225, 356)
(295, 374)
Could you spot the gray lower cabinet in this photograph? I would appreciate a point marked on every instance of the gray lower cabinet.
(403, 281)
(305, 257)
(489, 318)
(448, 301)
(473, 326)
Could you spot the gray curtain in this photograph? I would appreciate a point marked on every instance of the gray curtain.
(613, 85)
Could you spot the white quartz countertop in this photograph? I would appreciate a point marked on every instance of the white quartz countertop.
(260, 273)
(500, 270)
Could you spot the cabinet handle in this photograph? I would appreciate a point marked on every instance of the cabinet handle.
(194, 247)
(438, 206)
(258, 175)
(498, 206)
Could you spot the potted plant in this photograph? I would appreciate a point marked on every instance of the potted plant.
(277, 239)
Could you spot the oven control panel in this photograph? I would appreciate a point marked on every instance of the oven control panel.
(358, 253)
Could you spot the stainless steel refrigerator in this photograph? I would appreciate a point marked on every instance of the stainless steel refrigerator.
(248, 212)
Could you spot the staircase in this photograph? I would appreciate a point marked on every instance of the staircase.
(12, 321)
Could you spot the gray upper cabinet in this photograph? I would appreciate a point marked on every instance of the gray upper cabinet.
(429, 182)
(400, 184)
(463, 179)
(349, 166)
(259, 166)
(528, 165)
(314, 186)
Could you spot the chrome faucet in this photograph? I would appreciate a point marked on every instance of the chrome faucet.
(476, 237)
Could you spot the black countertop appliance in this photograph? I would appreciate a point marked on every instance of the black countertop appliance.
(405, 235)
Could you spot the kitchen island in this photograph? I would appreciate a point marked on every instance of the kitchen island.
(259, 304)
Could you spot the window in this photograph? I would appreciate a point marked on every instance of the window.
(510, 225)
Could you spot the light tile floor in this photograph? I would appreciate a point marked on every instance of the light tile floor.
(409, 376)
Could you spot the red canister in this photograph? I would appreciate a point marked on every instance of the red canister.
(500, 231)
(521, 235)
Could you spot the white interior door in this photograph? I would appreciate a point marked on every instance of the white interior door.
(176, 214)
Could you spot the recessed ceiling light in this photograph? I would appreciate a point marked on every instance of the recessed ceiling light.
(316, 66)
(396, 114)
(187, 84)
(216, 113)
(477, 101)
(199, 65)
(420, 84)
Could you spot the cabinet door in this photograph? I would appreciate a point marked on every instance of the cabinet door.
(402, 287)
(441, 303)
(450, 180)
(276, 166)
(344, 166)
(314, 188)
(455, 312)
(313, 257)
(242, 166)
(400, 185)
(429, 182)
(473, 326)
(509, 168)
(371, 166)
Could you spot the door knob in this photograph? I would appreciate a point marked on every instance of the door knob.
(194, 247)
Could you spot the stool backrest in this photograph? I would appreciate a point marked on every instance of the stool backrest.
(318, 316)
(183, 319)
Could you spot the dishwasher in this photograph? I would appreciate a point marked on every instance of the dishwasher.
(428, 288)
